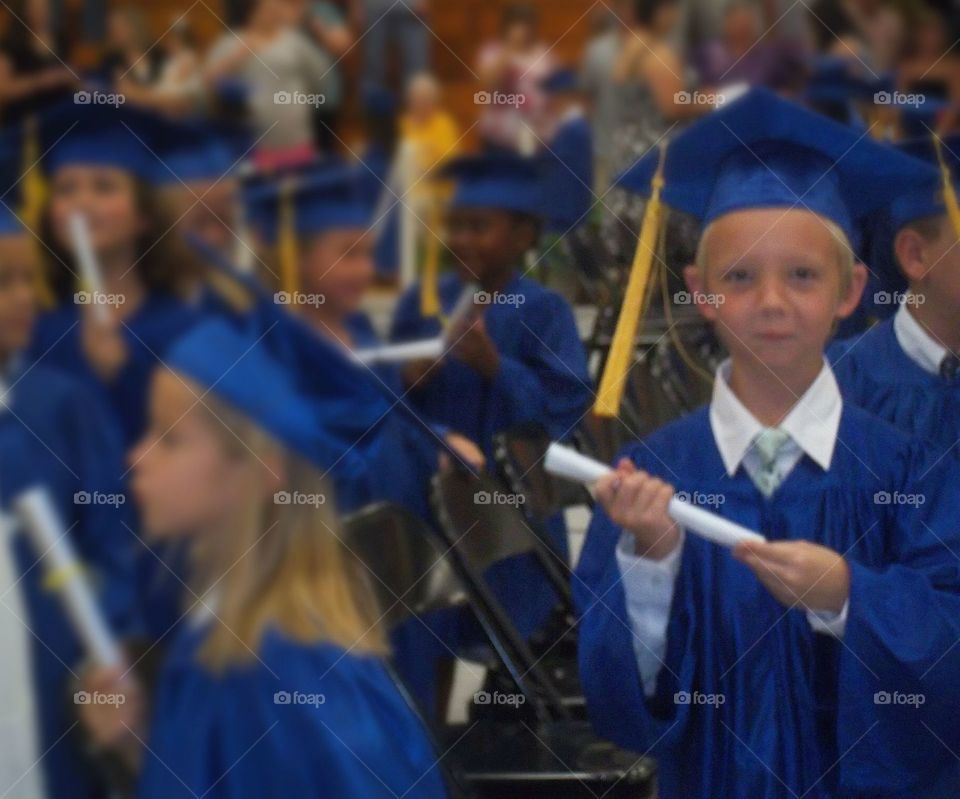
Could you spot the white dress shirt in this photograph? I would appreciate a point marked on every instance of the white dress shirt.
(649, 584)
(920, 347)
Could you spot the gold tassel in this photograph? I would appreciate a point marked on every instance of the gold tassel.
(949, 192)
(34, 200)
(287, 254)
(631, 311)
(429, 296)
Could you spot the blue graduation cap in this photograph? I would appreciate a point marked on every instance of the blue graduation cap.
(563, 79)
(193, 151)
(765, 152)
(295, 385)
(121, 136)
(328, 195)
(926, 196)
(499, 180)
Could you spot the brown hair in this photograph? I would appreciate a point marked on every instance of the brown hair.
(164, 262)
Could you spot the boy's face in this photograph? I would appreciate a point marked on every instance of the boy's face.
(772, 286)
(338, 264)
(18, 296)
(932, 265)
(485, 241)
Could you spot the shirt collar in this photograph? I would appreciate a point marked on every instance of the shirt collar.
(919, 346)
(812, 422)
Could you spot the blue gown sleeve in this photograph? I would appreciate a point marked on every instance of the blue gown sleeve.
(550, 384)
(105, 531)
(900, 660)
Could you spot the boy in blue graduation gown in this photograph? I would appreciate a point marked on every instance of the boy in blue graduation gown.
(907, 369)
(517, 357)
(821, 662)
(55, 435)
(276, 687)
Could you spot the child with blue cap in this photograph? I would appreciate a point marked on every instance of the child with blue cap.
(821, 661)
(276, 686)
(906, 369)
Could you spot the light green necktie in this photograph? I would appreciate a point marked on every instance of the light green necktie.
(768, 475)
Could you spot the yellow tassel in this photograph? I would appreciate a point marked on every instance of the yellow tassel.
(949, 192)
(34, 200)
(429, 296)
(287, 242)
(622, 347)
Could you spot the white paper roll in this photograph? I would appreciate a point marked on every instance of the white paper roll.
(52, 544)
(430, 349)
(568, 463)
(87, 261)
(464, 305)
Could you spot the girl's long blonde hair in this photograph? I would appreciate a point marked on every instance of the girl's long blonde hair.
(286, 566)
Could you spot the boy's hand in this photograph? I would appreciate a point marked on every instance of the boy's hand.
(114, 717)
(473, 345)
(416, 374)
(637, 502)
(799, 573)
(103, 344)
(471, 454)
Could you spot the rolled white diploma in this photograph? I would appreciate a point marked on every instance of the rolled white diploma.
(464, 304)
(87, 261)
(52, 545)
(431, 349)
(568, 463)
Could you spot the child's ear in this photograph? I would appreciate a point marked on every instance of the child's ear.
(909, 247)
(693, 277)
(849, 302)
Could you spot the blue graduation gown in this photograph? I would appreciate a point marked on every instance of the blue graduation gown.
(799, 716)
(875, 373)
(148, 333)
(231, 736)
(57, 435)
(542, 377)
(568, 175)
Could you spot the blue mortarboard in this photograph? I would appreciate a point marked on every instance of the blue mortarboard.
(292, 383)
(765, 152)
(503, 181)
(192, 151)
(564, 79)
(328, 195)
(105, 135)
(836, 80)
(925, 196)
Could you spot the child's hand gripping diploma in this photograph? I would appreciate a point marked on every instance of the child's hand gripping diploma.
(114, 714)
(637, 502)
(472, 344)
(799, 573)
(103, 343)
